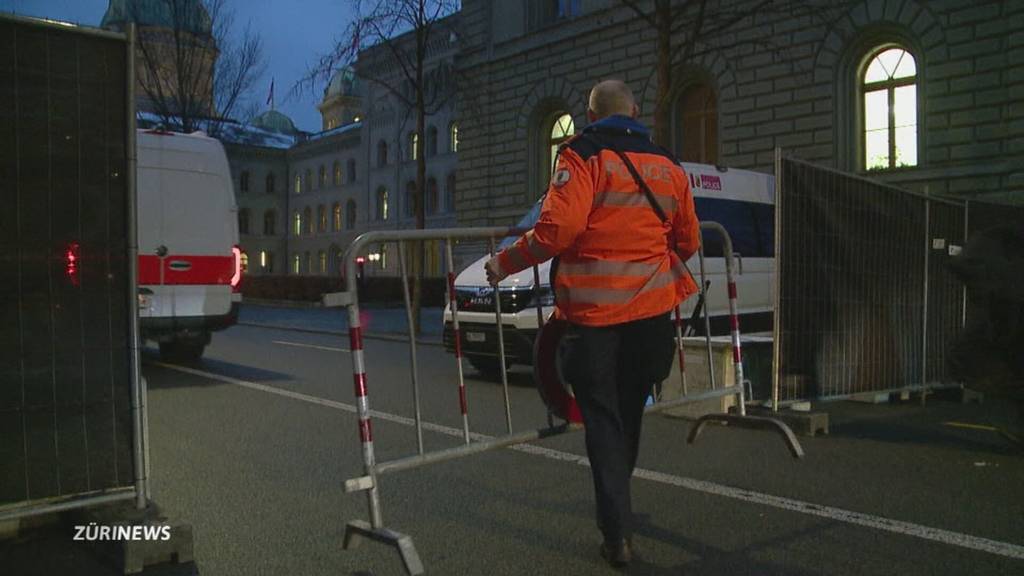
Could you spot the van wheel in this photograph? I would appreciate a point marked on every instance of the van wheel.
(488, 366)
(182, 350)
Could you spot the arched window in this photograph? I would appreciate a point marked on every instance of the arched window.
(296, 264)
(382, 153)
(321, 218)
(269, 222)
(453, 137)
(298, 183)
(431, 142)
(267, 261)
(888, 87)
(431, 200)
(243, 181)
(323, 177)
(561, 130)
(410, 199)
(307, 221)
(322, 261)
(351, 170)
(270, 183)
(695, 124)
(350, 214)
(308, 263)
(414, 140)
(382, 203)
(337, 173)
(296, 223)
(336, 217)
(449, 193)
(308, 185)
(243, 221)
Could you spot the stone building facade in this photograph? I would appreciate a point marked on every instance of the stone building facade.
(357, 174)
(777, 81)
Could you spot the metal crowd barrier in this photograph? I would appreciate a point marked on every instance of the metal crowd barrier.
(369, 482)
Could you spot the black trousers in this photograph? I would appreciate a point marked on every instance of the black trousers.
(612, 370)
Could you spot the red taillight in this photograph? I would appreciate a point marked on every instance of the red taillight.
(71, 259)
(236, 279)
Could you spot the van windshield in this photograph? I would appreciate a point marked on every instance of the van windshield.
(526, 222)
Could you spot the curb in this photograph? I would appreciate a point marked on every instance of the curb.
(390, 337)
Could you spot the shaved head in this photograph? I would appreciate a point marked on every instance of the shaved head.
(612, 97)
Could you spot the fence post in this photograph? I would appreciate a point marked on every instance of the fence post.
(777, 281)
(412, 347)
(924, 307)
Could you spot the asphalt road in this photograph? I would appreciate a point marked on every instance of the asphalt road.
(251, 446)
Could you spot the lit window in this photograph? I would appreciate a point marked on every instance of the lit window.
(296, 264)
(889, 88)
(321, 218)
(414, 140)
(298, 184)
(560, 132)
(296, 223)
(455, 137)
(322, 256)
(336, 217)
(267, 261)
(337, 173)
(263, 259)
(382, 204)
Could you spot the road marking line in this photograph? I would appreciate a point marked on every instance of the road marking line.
(313, 346)
(972, 426)
(996, 547)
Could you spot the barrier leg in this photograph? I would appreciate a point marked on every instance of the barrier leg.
(501, 350)
(412, 348)
(358, 530)
(682, 353)
(453, 303)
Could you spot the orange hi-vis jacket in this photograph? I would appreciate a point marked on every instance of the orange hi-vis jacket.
(614, 262)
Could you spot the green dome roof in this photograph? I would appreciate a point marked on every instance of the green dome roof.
(274, 121)
(189, 15)
(343, 83)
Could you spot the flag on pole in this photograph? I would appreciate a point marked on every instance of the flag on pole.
(270, 96)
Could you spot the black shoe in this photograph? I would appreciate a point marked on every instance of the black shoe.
(619, 554)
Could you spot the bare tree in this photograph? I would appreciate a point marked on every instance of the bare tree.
(193, 69)
(391, 40)
(702, 26)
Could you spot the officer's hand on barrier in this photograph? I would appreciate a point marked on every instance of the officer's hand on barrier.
(494, 272)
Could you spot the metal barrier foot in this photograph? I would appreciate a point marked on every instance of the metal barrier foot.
(358, 530)
(751, 422)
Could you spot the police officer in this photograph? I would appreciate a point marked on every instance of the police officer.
(618, 275)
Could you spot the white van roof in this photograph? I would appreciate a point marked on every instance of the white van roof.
(730, 183)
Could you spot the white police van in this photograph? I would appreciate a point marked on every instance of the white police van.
(189, 266)
(741, 200)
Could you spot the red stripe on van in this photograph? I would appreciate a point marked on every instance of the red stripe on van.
(202, 270)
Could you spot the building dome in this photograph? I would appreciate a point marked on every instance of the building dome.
(193, 16)
(274, 121)
(343, 83)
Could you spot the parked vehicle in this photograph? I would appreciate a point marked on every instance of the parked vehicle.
(741, 200)
(189, 258)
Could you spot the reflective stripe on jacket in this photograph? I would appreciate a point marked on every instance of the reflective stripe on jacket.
(615, 265)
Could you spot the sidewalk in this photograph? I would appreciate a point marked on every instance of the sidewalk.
(377, 322)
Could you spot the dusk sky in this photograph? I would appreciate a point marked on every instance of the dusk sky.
(294, 34)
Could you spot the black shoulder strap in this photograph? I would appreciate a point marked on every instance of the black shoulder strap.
(636, 176)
